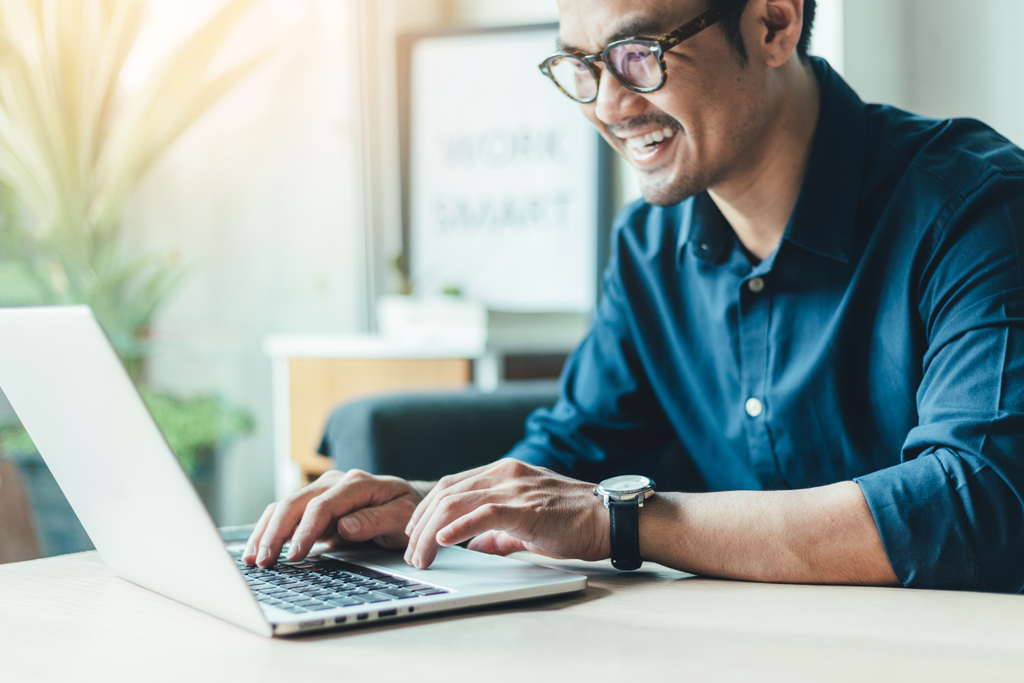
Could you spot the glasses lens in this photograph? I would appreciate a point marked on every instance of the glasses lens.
(636, 65)
(574, 77)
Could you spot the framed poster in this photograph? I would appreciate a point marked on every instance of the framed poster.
(505, 181)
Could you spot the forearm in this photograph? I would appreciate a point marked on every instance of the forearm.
(824, 535)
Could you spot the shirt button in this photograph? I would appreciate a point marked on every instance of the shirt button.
(754, 407)
(756, 285)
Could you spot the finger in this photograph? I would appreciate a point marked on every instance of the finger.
(447, 509)
(287, 514)
(497, 543)
(249, 554)
(443, 484)
(428, 515)
(339, 501)
(368, 523)
(480, 519)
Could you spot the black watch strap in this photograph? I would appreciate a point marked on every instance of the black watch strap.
(625, 523)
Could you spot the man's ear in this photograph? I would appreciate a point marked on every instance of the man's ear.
(782, 21)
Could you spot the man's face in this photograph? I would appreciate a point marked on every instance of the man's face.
(714, 105)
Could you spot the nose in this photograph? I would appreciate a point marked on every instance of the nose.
(615, 103)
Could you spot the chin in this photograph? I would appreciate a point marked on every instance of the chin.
(667, 191)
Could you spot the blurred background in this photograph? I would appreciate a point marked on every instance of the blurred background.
(273, 226)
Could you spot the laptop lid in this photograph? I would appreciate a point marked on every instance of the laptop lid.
(75, 399)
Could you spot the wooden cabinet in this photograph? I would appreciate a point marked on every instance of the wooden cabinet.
(312, 375)
(317, 385)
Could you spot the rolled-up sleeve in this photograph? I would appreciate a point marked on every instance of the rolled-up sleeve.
(951, 515)
(607, 419)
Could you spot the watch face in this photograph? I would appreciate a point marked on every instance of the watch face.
(626, 484)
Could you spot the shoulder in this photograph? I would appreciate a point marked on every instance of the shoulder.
(956, 157)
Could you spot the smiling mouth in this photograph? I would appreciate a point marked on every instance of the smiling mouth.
(644, 147)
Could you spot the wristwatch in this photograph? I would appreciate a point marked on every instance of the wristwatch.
(624, 496)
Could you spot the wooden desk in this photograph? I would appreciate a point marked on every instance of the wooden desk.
(69, 619)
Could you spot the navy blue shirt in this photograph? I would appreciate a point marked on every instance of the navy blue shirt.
(882, 342)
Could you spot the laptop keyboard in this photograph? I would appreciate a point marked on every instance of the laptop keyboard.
(321, 583)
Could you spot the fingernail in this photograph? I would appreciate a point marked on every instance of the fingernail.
(293, 551)
(416, 561)
(352, 526)
(263, 554)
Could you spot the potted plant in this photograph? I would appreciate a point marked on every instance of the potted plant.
(73, 147)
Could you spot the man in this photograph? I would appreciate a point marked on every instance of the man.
(820, 299)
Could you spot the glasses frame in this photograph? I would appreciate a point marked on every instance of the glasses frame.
(657, 47)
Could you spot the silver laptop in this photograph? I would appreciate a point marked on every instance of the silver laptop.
(72, 394)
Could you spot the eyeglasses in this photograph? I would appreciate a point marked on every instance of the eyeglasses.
(637, 63)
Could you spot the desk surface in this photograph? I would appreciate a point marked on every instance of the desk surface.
(69, 618)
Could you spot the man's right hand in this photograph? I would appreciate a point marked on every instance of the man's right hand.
(338, 507)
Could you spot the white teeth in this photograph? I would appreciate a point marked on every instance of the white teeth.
(641, 141)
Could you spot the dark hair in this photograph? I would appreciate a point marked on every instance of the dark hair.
(731, 26)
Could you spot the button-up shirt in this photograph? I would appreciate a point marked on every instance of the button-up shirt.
(882, 342)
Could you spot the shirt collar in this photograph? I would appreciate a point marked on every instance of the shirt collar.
(823, 219)
(824, 216)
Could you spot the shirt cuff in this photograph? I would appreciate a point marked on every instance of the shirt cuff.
(919, 516)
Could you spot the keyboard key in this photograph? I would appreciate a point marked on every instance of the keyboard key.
(321, 606)
(398, 581)
(375, 597)
(351, 568)
(398, 593)
(431, 591)
(344, 602)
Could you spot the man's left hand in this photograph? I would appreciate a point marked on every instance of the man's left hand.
(506, 507)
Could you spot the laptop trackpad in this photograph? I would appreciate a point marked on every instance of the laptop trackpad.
(459, 569)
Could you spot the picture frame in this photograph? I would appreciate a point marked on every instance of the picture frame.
(506, 187)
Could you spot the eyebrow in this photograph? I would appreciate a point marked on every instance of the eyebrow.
(646, 27)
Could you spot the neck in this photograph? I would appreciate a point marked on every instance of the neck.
(759, 198)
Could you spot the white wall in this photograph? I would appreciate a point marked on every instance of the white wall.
(940, 57)
(258, 197)
(968, 63)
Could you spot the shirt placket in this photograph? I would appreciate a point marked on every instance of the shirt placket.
(755, 317)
